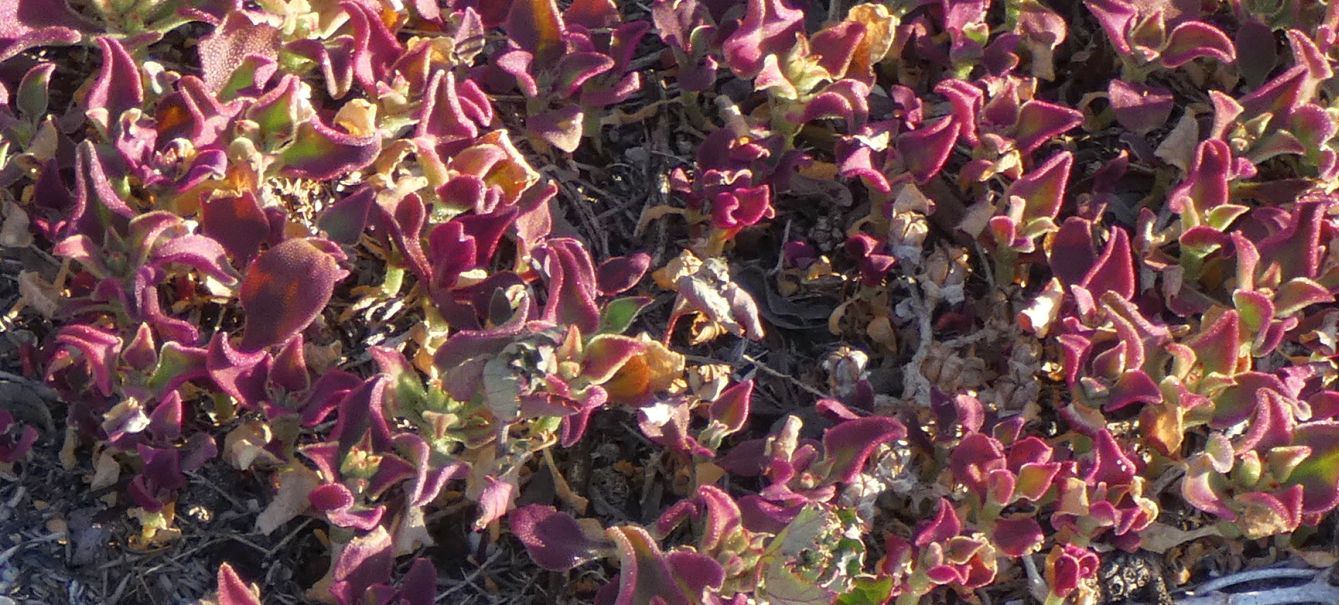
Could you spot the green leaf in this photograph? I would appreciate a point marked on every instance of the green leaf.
(619, 313)
(867, 591)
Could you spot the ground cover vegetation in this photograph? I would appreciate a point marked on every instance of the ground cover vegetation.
(676, 301)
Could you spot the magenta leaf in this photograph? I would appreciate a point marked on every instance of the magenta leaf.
(1113, 271)
(605, 354)
(233, 590)
(1043, 187)
(560, 127)
(646, 574)
(117, 86)
(1139, 107)
(100, 350)
(1039, 121)
(847, 445)
(1194, 39)
(27, 24)
(285, 289)
(234, 41)
(1017, 537)
(199, 252)
(555, 540)
(1068, 565)
(621, 273)
(571, 281)
(1318, 474)
(238, 223)
(320, 152)
(363, 562)
(15, 440)
(924, 150)
(944, 526)
(375, 48)
(769, 27)
(345, 221)
(731, 407)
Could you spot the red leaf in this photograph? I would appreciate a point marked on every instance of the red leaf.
(285, 289)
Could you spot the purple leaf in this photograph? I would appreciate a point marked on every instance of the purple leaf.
(494, 501)
(646, 575)
(944, 526)
(924, 150)
(1039, 122)
(769, 27)
(14, 448)
(1194, 39)
(561, 127)
(605, 354)
(1318, 474)
(375, 48)
(419, 586)
(363, 562)
(100, 350)
(1139, 107)
(621, 273)
(1262, 54)
(345, 221)
(1113, 271)
(238, 223)
(847, 445)
(1017, 537)
(238, 38)
(240, 375)
(741, 207)
(1296, 249)
(731, 407)
(835, 46)
(319, 152)
(27, 24)
(199, 252)
(1217, 345)
(555, 540)
(117, 86)
(1068, 565)
(285, 289)
(575, 69)
(1043, 187)
(233, 590)
(571, 284)
(443, 114)
(536, 27)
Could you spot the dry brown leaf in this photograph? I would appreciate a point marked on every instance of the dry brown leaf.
(106, 471)
(1178, 148)
(245, 446)
(294, 483)
(14, 230)
(38, 294)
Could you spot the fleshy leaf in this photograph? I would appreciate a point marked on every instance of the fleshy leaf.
(233, 590)
(284, 290)
(117, 86)
(1043, 187)
(847, 445)
(1194, 39)
(555, 540)
(925, 149)
(605, 354)
(1139, 107)
(1039, 122)
(1318, 474)
(26, 24)
(1017, 537)
(238, 38)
